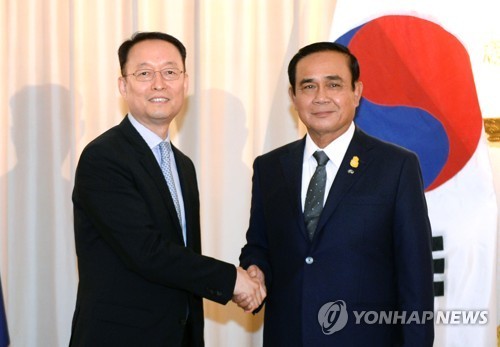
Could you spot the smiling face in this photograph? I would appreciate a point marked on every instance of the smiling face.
(154, 103)
(324, 97)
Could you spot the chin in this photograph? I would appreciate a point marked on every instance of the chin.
(159, 115)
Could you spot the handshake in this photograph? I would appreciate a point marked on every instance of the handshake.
(250, 288)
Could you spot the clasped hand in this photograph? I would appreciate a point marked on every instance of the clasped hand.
(250, 289)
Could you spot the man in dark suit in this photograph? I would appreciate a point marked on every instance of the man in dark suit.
(342, 235)
(137, 224)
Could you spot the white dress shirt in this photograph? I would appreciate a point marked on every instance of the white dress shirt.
(153, 142)
(335, 151)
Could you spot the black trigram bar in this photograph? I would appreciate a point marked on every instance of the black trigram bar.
(438, 264)
(439, 288)
(437, 243)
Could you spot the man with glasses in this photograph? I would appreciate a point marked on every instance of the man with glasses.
(137, 224)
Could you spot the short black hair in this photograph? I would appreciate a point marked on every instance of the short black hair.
(125, 47)
(321, 47)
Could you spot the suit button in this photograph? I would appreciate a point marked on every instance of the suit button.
(309, 260)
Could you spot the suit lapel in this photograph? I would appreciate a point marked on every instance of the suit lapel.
(148, 161)
(347, 175)
(291, 163)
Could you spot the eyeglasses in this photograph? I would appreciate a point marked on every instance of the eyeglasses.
(168, 74)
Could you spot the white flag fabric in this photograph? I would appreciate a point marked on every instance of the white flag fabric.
(419, 65)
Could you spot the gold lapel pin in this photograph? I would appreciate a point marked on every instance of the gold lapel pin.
(354, 162)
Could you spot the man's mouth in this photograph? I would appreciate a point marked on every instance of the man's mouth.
(158, 100)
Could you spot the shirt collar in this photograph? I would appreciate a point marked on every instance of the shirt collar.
(149, 136)
(335, 150)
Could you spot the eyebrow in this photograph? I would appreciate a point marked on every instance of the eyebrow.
(169, 64)
(329, 78)
(334, 78)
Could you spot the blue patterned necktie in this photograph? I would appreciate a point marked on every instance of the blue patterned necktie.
(315, 194)
(165, 152)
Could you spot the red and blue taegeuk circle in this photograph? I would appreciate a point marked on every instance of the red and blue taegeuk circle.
(419, 92)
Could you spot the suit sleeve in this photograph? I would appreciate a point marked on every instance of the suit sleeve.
(111, 204)
(255, 252)
(413, 254)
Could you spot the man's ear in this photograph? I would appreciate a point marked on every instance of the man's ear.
(291, 93)
(186, 83)
(122, 86)
(358, 91)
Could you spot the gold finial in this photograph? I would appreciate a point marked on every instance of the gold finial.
(492, 128)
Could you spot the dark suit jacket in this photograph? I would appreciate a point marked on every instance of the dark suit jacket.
(372, 247)
(137, 280)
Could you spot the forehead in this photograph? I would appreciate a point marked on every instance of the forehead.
(321, 64)
(154, 52)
